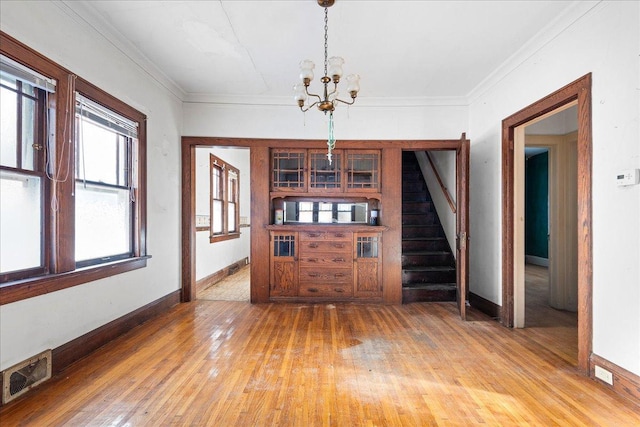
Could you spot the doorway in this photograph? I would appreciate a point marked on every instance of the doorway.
(513, 129)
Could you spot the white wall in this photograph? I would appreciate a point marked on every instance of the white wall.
(212, 257)
(606, 42)
(268, 121)
(48, 321)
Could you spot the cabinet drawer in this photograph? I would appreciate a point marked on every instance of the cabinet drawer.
(325, 276)
(326, 291)
(344, 236)
(326, 259)
(331, 246)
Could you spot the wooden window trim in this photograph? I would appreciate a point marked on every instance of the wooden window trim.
(217, 162)
(61, 271)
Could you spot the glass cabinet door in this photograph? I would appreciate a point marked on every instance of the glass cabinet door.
(367, 265)
(363, 170)
(283, 278)
(325, 177)
(288, 170)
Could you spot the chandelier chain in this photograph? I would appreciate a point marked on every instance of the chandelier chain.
(326, 37)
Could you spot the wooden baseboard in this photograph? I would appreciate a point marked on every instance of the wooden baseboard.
(82, 346)
(489, 308)
(625, 383)
(214, 278)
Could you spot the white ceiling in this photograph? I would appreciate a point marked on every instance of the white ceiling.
(239, 50)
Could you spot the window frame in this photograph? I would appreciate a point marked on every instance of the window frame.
(216, 163)
(38, 170)
(61, 271)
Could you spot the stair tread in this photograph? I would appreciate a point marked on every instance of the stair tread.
(426, 252)
(429, 268)
(426, 239)
(430, 286)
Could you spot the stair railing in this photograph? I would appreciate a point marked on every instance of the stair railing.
(444, 189)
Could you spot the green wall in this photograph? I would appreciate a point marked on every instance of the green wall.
(536, 205)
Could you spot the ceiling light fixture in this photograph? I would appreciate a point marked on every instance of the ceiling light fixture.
(332, 72)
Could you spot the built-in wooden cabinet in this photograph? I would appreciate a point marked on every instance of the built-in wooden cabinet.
(325, 249)
(326, 263)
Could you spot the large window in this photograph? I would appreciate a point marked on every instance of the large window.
(225, 198)
(72, 186)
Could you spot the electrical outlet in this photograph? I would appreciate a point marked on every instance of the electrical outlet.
(604, 375)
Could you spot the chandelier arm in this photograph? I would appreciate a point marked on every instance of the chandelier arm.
(313, 95)
(304, 110)
(353, 100)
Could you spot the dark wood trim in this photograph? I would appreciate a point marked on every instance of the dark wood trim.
(391, 216)
(260, 216)
(489, 308)
(188, 222)
(63, 356)
(405, 144)
(579, 90)
(214, 278)
(28, 288)
(625, 383)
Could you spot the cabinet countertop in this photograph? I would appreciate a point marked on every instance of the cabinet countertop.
(328, 227)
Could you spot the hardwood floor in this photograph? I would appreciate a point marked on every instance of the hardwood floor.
(557, 330)
(235, 287)
(222, 363)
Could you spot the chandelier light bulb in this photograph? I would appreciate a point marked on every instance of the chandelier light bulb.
(306, 71)
(335, 68)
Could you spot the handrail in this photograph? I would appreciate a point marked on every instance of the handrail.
(452, 205)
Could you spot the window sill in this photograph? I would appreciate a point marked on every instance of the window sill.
(28, 288)
(220, 238)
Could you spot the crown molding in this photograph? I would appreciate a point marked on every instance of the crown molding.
(546, 35)
(85, 14)
(287, 101)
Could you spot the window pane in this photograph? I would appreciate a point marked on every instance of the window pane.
(103, 221)
(97, 154)
(8, 126)
(232, 217)
(216, 189)
(20, 221)
(216, 221)
(28, 131)
(233, 186)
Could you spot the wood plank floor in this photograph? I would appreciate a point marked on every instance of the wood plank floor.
(223, 363)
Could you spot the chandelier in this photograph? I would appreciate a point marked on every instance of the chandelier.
(332, 73)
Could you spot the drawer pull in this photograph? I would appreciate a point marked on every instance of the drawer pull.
(313, 234)
(338, 260)
(313, 245)
(312, 260)
(339, 234)
(339, 245)
(339, 290)
(339, 275)
(313, 274)
(313, 289)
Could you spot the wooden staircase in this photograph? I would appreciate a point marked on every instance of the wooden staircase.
(428, 265)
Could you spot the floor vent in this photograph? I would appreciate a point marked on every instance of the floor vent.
(22, 377)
